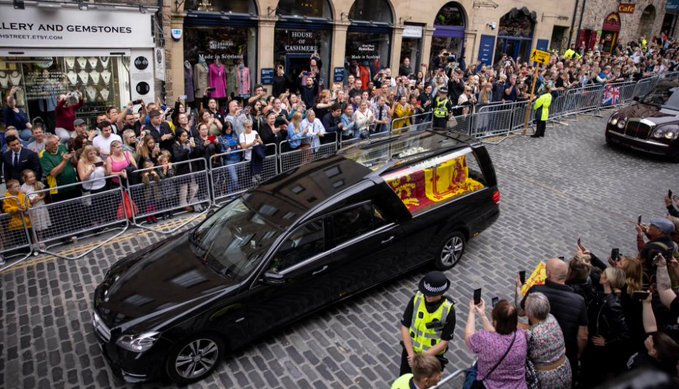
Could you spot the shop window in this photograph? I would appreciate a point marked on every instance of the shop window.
(309, 8)
(102, 81)
(293, 49)
(646, 22)
(517, 23)
(371, 11)
(234, 6)
(450, 14)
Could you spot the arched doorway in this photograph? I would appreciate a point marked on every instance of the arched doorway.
(368, 46)
(515, 34)
(303, 31)
(609, 32)
(449, 26)
(646, 22)
(219, 34)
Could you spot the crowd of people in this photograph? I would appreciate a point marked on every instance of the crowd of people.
(298, 115)
(590, 321)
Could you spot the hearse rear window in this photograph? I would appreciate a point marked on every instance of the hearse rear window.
(436, 181)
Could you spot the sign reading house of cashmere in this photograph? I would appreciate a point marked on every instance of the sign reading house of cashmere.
(38, 27)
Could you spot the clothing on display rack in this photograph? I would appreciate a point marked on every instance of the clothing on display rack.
(82, 62)
(84, 76)
(70, 62)
(94, 75)
(4, 80)
(106, 76)
(15, 78)
(92, 61)
(189, 90)
(243, 78)
(218, 80)
(72, 77)
(104, 61)
(232, 81)
(200, 78)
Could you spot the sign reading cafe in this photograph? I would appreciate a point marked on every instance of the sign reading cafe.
(37, 27)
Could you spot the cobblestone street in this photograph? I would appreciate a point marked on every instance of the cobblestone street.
(554, 190)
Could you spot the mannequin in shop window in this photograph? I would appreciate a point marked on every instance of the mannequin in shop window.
(232, 82)
(218, 81)
(364, 75)
(200, 81)
(189, 89)
(243, 80)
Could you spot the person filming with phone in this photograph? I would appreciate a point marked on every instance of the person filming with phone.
(501, 347)
(428, 322)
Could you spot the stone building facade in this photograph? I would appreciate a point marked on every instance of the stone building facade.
(602, 22)
(351, 34)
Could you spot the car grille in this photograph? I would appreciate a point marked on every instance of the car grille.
(636, 129)
(100, 328)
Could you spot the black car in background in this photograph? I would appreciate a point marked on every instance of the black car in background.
(295, 244)
(651, 124)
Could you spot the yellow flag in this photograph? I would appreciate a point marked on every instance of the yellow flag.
(537, 278)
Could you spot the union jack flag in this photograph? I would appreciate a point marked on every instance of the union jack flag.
(611, 96)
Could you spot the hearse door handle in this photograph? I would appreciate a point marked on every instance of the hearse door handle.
(321, 270)
(388, 240)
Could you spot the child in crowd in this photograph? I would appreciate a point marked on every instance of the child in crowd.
(151, 180)
(16, 204)
(39, 215)
(167, 188)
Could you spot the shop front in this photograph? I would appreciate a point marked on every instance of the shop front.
(670, 20)
(45, 53)
(609, 32)
(368, 47)
(515, 34)
(220, 49)
(449, 27)
(303, 40)
(646, 22)
(411, 46)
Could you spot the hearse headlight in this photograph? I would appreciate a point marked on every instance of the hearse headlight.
(621, 122)
(613, 121)
(138, 343)
(667, 132)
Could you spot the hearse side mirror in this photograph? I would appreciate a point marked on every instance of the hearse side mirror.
(273, 278)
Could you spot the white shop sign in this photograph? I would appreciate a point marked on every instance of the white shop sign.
(412, 31)
(73, 28)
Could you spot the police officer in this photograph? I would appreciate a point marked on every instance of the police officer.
(426, 374)
(541, 108)
(428, 322)
(442, 108)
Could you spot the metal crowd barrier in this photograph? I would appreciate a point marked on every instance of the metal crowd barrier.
(153, 197)
(15, 240)
(415, 121)
(453, 380)
(231, 174)
(644, 86)
(90, 213)
(299, 156)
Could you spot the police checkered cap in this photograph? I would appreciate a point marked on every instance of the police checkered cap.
(434, 283)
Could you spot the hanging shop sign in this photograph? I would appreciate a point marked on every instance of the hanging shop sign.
(176, 33)
(37, 27)
(266, 77)
(626, 8)
(412, 31)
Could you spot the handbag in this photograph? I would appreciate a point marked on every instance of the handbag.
(259, 151)
(127, 208)
(130, 171)
(470, 383)
(531, 376)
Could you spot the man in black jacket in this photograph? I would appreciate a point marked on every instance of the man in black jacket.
(568, 308)
(332, 123)
(160, 130)
(659, 232)
(17, 159)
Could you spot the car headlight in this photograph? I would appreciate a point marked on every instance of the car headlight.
(622, 122)
(138, 343)
(667, 132)
(613, 121)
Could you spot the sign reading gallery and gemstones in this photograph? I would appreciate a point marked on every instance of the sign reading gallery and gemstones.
(35, 27)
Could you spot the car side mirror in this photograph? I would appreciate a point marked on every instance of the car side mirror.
(635, 98)
(273, 278)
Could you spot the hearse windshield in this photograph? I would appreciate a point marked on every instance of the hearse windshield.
(233, 240)
(665, 96)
